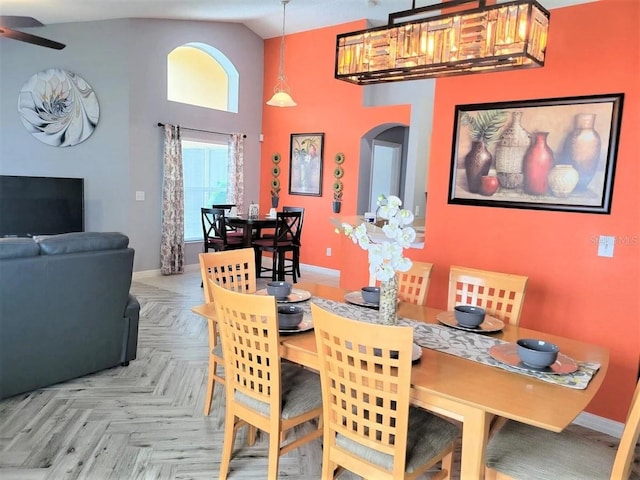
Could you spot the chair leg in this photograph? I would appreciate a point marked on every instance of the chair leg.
(274, 272)
(210, 385)
(274, 455)
(227, 447)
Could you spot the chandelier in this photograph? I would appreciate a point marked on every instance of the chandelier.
(281, 96)
(483, 38)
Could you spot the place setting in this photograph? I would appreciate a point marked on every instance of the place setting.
(470, 319)
(292, 318)
(284, 292)
(365, 297)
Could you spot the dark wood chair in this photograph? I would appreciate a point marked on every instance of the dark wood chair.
(296, 252)
(214, 230)
(286, 239)
(231, 230)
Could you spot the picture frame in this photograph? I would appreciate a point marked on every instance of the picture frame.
(305, 164)
(549, 154)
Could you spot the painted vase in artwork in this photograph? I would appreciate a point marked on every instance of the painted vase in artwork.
(537, 163)
(563, 180)
(477, 164)
(510, 150)
(583, 147)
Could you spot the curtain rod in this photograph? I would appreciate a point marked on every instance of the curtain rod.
(244, 135)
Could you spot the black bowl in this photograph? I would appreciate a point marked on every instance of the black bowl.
(280, 290)
(371, 294)
(537, 353)
(469, 316)
(289, 317)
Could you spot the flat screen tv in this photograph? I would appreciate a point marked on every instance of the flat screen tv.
(40, 205)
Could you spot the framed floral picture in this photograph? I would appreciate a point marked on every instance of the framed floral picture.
(305, 169)
(551, 154)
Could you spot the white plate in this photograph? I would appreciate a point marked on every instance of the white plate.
(490, 324)
(356, 299)
(295, 296)
(507, 353)
(305, 325)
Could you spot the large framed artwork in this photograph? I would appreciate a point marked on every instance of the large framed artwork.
(551, 154)
(305, 168)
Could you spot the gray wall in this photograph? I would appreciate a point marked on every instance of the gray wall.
(125, 63)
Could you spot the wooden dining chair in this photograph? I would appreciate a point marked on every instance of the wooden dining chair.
(520, 451)
(500, 294)
(369, 427)
(413, 285)
(286, 239)
(234, 270)
(231, 230)
(262, 391)
(298, 241)
(214, 231)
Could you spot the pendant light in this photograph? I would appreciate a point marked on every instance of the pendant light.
(281, 96)
(482, 38)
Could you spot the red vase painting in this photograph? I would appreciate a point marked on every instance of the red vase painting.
(538, 162)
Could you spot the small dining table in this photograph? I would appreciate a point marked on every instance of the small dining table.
(251, 224)
(470, 392)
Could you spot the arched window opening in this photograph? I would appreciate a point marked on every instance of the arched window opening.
(199, 74)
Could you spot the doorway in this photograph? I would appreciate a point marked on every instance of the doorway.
(386, 159)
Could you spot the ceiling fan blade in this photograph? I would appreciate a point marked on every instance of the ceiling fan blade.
(27, 37)
(13, 21)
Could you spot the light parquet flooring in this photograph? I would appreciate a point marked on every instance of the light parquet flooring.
(144, 421)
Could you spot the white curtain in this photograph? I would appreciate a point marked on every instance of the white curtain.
(172, 240)
(236, 170)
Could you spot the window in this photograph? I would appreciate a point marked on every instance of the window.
(204, 166)
(199, 74)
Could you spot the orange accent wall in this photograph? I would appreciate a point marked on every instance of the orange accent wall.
(325, 105)
(593, 49)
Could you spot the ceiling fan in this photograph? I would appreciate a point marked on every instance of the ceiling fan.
(9, 22)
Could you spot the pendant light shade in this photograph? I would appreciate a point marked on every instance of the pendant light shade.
(484, 38)
(281, 96)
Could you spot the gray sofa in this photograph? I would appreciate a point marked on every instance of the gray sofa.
(65, 308)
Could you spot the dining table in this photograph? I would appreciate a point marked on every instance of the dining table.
(251, 226)
(462, 388)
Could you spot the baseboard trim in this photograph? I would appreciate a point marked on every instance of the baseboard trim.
(600, 424)
(156, 273)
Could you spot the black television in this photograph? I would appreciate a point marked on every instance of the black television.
(40, 205)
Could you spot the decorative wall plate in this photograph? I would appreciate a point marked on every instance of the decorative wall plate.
(58, 107)
(339, 158)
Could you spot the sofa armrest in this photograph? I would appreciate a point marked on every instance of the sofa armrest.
(132, 318)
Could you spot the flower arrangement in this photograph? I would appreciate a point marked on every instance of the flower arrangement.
(385, 255)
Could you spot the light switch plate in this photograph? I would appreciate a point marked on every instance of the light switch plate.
(605, 246)
(140, 196)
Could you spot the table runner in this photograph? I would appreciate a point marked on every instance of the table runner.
(468, 345)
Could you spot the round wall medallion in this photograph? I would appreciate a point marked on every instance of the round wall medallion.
(58, 107)
(338, 172)
(339, 158)
(275, 158)
(337, 186)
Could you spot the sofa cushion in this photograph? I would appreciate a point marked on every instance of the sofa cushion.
(18, 248)
(81, 242)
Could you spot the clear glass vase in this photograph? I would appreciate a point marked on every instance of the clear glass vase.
(389, 301)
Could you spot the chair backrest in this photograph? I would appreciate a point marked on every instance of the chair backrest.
(500, 294)
(627, 446)
(214, 224)
(288, 227)
(231, 269)
(413, 285)
(296, 209)
(250, 344)
(365, 372)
